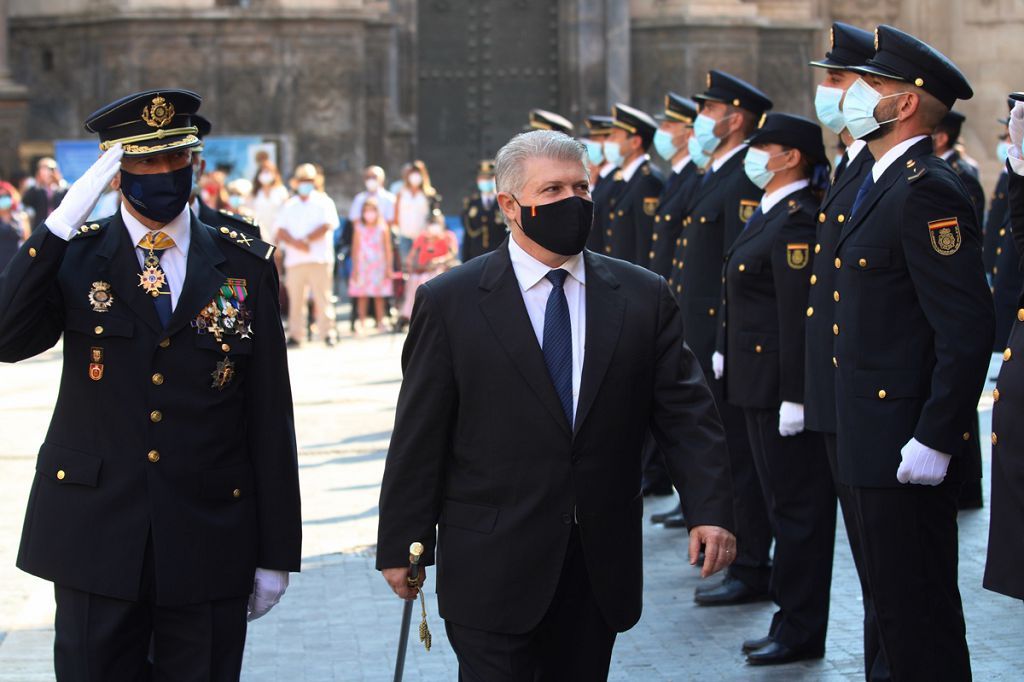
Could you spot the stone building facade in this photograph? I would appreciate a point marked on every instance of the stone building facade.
(344, 83)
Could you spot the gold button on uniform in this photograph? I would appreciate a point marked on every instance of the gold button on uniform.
(703, 220)
(821, 217)
(835, 361)
(835, 296)
(810, 311)
(742, 267)
(32, 251)
(224, 230)
(995, 396)
(1020, 314)
(711, 312)
(1002, 232)
(155, 416)
(60, 474)
(236, 493)
(650, 254)
(98, 330)
(685, 241)
(1007, 354)
(153, 456)
(165, 343)
(967, 435)
(863, 262)
(835, 329)
(839, 263)
(225, 347)
(882, 394)
(757, 349)
(817, 248)
(841, 218)
(995, 438)
(654, 237)
(158, 379)
(814, 280)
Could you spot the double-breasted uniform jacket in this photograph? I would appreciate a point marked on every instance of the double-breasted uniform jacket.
(914, 321)
(1006, 275)
(764, 298)
(721, 205)
(483, 449)
(165, 436)
(604, 195)
(996, 221)
(209, 216)
(668, 222)
(484, 226)
(1006, 530)
(631, 218)
(968, 175)
(820, 378)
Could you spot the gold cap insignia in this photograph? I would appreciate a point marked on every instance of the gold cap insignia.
(832, 38)
(709, 80)
(919, 82)
(764, 117)
(876, 40)
(159, 113)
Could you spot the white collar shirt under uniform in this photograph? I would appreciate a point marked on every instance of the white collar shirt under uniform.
(629, 171)
(771, 200)
(720, 161)
(536, 288)
(890, 156)
(678, 167)
(175, 259)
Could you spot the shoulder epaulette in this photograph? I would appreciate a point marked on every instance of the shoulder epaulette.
(239, 217)
(915, 171)
(794, 206)
(91, 229)
(256, 247)
(645, 169)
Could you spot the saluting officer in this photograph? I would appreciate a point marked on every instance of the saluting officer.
(206, 214)
(850, 46)
(721, 205)
(631, 220)
(672, 142)
(944, 139)
(482, 218)
(1003, 572)
(761, 349)
(167, 486)
(912, 335)
(605, 181)
(541, 119)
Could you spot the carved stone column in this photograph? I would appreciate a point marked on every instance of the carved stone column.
(13, 105)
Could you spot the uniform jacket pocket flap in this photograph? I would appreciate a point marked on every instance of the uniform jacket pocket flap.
(758, 342)
(99, 326)
(867, 257)
(229, 483)
(886, 384)
(475, 517)
(67, 466)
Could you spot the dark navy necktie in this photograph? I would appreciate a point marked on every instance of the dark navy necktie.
(865, 187)
(558, 341)
(707, 176)
(840, 168)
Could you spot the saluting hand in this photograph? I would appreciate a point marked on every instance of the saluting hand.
(398, 579)
(1016, 126)
(719, 548)
(82, 196)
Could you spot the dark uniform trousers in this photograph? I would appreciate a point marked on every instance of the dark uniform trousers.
(762, 336)
(720, 206)
(912, 337)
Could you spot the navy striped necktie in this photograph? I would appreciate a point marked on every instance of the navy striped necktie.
(558, 341)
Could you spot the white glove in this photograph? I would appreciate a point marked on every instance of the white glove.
(921, 464)
(1016, 126)
(718, 364)
(791, 419)
(83, 195)
(267, 590)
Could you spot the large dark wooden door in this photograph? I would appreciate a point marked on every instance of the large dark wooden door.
(482, 65)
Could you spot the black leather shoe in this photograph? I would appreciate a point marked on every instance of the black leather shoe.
(756, 644)
(675, 521)
(777, 654)
(730, 591)
(660, 518)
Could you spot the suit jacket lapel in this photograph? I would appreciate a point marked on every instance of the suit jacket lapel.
(202, 277)
(605, 310)
(505, 311)
(120, 265)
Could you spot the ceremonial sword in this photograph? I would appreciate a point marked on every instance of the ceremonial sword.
(415, 552)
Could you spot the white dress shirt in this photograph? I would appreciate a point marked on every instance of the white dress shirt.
(890, 156)
(678, 167)
(854, 149)
(720, 161)
(771, 199)
(629, 171)
(535, 288)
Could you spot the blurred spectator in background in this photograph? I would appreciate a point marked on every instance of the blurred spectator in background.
(14, 226)
(371, 263)
(239, 193)
(304, 229)
(212, 190)
(45, 193)
(373, 181)
(434, 252)
(268, 194)
(412, 207)
(108, 204)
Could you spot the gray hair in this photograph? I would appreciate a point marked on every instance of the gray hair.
(547, 144)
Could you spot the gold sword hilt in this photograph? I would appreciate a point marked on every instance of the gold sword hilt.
(414, 581)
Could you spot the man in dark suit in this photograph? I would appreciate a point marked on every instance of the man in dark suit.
(912, 337)
(724, 201)
(207, 215)
(528, 461)
(165, 506)
(605, 179)
(631, 220)
(46, 194)
(850, 46)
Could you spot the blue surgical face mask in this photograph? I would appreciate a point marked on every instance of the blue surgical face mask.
(755, 164)
(305, 189)
(235, 200)
(704, 131)
(5, 203)
(697, 155)
(485, 186)
(612, 153)
(859, 109)
(664, 146)
(826, 106)
(1002, 152)
(595, 152)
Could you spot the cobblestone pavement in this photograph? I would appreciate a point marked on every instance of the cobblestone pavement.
(339, 621)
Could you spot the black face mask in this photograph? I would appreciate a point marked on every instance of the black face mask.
(159, 196)
(561, 227)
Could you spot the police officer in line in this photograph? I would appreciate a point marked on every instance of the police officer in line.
(605, 181)
(912, 332)
(849, 46)
(165, 505)
(206, 214)
(944, 139)
(998, 213)
(1006, 531)
(760, 352)
(721, 205)
(630, 224)
(540, 119)
(482, 218)
(1002, 256)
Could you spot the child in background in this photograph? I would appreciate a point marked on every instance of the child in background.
(371, 264)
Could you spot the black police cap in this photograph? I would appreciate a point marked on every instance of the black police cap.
(549, 120)
(791, 131)
(724, 87)
(204, 127)
(903, 57)
(1010, 101)
(634, 122)
(680, 109)
(599, 125)
(486, 167)
(147, 123)
(848, 46)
